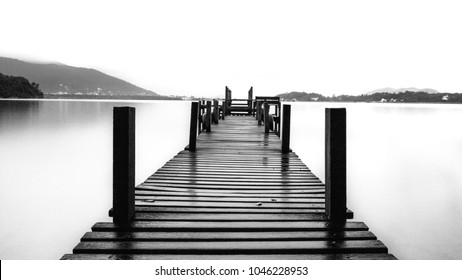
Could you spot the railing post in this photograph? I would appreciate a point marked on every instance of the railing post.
(223, 109)
(249, 100)
(193, 126)
(336, 165)
(266, 116)
(226, 100)
(123, 167)
(216, 112)
(208, 116)
(259, 112)
(230, 101)
(285, 146)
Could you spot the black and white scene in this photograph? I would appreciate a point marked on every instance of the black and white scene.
(230, 130)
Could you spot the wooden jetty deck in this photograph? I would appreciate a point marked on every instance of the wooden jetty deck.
(235, 196)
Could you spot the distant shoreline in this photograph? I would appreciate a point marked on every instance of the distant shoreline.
(110, 97)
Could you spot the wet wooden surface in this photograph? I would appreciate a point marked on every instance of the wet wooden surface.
(236, 197)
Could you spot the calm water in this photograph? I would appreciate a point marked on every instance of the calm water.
(56, 167)
(56, 161)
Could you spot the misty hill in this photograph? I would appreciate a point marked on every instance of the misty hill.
(18, 87)
(398, 90)
(60, 79)
(401, 97)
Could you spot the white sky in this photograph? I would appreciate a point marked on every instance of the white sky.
(196, 47)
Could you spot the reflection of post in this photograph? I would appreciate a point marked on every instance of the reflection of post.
(266, 116)
(193, 126)
(336, 165)
(123, 172)
(208, 116)
(285, 146)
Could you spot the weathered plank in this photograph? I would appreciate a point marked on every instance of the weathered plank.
(226, 226)
(232, 247)
(230, 236)
(335, 256)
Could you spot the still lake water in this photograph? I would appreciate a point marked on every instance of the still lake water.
(56, 169)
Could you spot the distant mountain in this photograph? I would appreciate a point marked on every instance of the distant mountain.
(60, 79)
(18, 87)
(398, 90)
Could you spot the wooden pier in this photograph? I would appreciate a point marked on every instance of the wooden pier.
(236, 192)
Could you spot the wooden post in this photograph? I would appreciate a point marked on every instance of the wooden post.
(123, 168)
(280, 116)
(199, 117)
(193, 126)
(216, 112)
(285, 146)
(259, 112)
(249, 100)
(276, 123)
(223, 109)
(227, 97)
(266, 116)
(336, 165)
(208, 116)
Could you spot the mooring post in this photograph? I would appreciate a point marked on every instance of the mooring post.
(266, 116)
(336, 165)
(285, 146)
(123, 166)
(208, 116)
(216, 112)
(193, 126)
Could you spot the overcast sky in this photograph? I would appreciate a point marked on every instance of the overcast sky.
(197, 47)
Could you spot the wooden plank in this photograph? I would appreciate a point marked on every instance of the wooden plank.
(196, 199)
(226, 226)
(240, 170)
(178, 209)
(198, 180)
(288, 191)
(224, 195)
(231, 247)
(235, 176)
(306, 182)
(174, 216)
(230, 236)
(335, 256)
(279, 188)
(263, 204)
